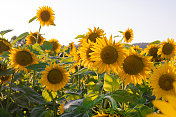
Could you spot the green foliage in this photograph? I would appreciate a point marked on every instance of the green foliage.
(37, 67)
(155, 42)
(20, 37)
(4, 32)
(32, 19)
(48, 95)
(6, 72)
(47, 46)
(111, 83)
(80, 36)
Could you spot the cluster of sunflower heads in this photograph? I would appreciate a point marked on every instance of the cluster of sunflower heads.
(101, 76)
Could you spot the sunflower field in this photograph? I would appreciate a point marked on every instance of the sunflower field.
(100, 77)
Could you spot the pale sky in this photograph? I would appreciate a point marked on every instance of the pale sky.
(150, 19)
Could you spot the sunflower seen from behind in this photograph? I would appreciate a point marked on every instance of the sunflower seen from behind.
(32, 38)
(167, 49)
(55, 77)
(167, 108)
(21, 58)
(56, 45)
(128, 35)
(45, 15)
(4, 45)
(135, 67)
(162, 80)
(85, 51)
(107, 55)
(92, 35)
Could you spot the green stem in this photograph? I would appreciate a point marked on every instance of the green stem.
(34, 78)
(79, 80)
(9, 94)
(38, 34)
(54, 104)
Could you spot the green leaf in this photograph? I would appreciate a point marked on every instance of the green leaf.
(5, 31)
(53, 24)
(67, 60)
(6, 72)
(32, 19)
(112, 100)
(5, 54)
(120, 31)
(72, 96)
(124, 96)
(80, 36)
(117, 36)
(47, 96)
(47, 46)
(20, 37)
(38, 111)
(111, 83)
(37, 67)
(85, 71)
(155, 42)
(4, 113)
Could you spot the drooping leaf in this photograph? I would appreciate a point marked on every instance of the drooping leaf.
(38, 111)
(20, 37)
(4, 113)
(111, 83)
(112, 100)
(32, 19)
(37, 67)
(72, 96)
(85, 71)
(5, 31)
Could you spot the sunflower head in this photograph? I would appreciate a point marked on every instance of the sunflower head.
(45, 15)
(56, 45)
(4, 45)
(167, 49)
(55, 77)
(85, 51)
(152, 50)
(92, 35)
(4, 79)
(32, 38)
(162, 80)
(107, 55)
(21, 58)
(135, 67)
(137, 48)
(128, 35)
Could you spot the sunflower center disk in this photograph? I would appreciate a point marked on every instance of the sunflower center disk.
(33, 38)
(3, 47)
(167, 48)
(45, 15)
(133, 65)
(23, 58)
(109, 55)
(153, 52)
(92, 37)
(55, 76)
(128, 35)
(166, 82)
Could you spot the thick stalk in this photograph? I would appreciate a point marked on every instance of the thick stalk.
(38, 34)
(34, 79)
(54, 104)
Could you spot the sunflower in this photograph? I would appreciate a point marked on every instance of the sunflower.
(72, 49)
(85, 55)
(168, 108)
(167, 49)
(55, 77)
(61, 108)
(45, 15)
(32, 38)
(56, 45)
(4, 45)
(162, 80)
(92, 35)
(107, 55)
(21, 58)
(137, 48)
(128, 35)
(135, 67)
(4, 79)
